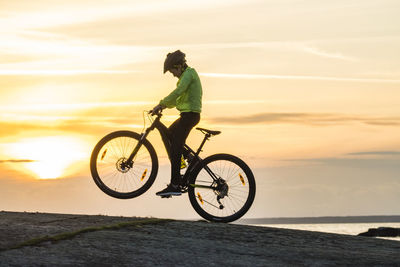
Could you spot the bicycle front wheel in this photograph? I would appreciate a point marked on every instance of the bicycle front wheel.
(113, 174)
(222, 188)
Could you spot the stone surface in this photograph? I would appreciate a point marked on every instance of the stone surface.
(382, 232)
(184, 243)
(16, 227)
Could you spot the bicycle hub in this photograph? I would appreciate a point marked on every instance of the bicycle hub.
(123, 165)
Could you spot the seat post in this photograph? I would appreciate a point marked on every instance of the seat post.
(206, 137)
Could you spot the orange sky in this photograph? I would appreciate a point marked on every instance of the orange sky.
(308, 93)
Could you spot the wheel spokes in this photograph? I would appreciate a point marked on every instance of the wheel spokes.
(114, 170)
(232, 188)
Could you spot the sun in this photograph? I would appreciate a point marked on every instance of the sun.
(51, 157)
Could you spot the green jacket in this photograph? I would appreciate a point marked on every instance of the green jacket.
(188, 93)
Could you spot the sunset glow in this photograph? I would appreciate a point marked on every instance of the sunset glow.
(52, 157)
(306, 92)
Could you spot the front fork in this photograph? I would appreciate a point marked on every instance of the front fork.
(130, 161)
(156, 124)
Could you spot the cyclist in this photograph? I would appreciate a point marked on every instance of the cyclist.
(187, 99)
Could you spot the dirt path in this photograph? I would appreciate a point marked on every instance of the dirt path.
(144, 242)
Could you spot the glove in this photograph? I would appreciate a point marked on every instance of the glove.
(156, 110)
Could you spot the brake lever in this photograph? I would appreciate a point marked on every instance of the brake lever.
(152, 113)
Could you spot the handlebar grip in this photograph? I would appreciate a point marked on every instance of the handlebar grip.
(152, 112)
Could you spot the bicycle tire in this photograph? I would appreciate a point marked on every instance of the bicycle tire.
(119, 154)
(244, 176)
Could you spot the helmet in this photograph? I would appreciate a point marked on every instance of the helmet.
(174, 58)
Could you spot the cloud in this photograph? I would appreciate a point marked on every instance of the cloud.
(302, 46)
(13, 128)
(375, 153)
(77, 12)
(104, 108)
(318, 52)
(361, 163)
(65, 72)
(16, 160)
(74, 106)
(85, 118)
(234, 102)
(383, 122)
(316, 119)
(82, 126)
(92, 119)
(295, 77)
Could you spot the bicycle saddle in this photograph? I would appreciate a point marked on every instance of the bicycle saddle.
(205, 131)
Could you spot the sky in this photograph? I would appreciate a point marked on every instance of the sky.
(306, 92)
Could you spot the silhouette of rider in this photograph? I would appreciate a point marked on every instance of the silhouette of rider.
(187, 99)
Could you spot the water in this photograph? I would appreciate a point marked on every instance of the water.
(337, 228)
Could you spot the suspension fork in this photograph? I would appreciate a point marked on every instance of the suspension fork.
(143, 137)
(129, 161)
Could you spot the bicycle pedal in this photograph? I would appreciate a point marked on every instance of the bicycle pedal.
(166, 196)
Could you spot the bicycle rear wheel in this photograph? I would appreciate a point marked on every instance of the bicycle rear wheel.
(222, 188)
(112, 174)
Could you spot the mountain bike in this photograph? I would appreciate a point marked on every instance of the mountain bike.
(221, 187)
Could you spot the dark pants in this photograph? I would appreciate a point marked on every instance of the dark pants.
(178, 132)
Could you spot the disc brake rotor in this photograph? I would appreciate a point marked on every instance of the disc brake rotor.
(122, 165)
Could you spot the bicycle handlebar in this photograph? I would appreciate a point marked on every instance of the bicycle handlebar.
(152, 113)
(157, 112)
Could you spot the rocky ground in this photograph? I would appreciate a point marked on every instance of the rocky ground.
(37, 239)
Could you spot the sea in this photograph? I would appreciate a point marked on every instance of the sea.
(337, 228)
(352, 225)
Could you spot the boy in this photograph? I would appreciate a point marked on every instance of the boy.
(187, 99)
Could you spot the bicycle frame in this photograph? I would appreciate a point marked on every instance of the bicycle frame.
(131, 168)
(165, 136)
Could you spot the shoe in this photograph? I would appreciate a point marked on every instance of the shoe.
(171, 190)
